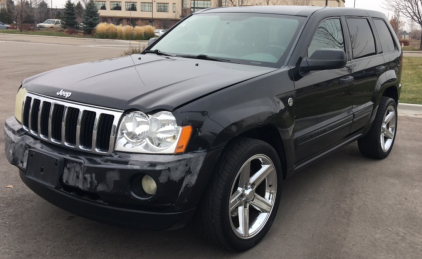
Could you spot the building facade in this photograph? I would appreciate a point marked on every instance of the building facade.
(3, 4)
(165, 13)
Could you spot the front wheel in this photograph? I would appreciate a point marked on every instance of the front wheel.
(379, 141)
(243, 197)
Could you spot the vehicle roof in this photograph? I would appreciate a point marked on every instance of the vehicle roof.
(296, 10)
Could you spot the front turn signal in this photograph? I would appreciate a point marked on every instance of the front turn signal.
(183, 140)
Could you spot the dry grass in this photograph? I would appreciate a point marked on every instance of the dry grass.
(138, 33)
(120, 33)
(111, 31)
(149, 32)
(134, 50)
(128, 32)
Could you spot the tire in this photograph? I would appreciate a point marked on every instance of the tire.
(379, 141)
(223, 226)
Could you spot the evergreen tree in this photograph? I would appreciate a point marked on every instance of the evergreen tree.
(69, 16)
(91, 17)
(79, 10)
(43, 12)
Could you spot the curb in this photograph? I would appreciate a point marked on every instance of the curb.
(412, 110)
(79, 38)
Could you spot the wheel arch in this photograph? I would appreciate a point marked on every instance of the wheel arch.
(269, 134)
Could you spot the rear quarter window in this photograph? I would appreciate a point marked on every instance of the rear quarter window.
(361, 37)
(384, 33)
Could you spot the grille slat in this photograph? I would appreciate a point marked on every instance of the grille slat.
(45, 114)
(56, 126)
(34, 115)
(104, 131)
(87, 126)
(26, 111)
(71, 125)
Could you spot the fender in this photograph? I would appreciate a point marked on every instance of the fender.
(390, 78)
(241, 108)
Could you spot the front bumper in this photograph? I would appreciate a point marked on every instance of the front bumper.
(106, 188)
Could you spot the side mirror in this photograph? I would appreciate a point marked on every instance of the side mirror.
(152, 40)
(324, 59)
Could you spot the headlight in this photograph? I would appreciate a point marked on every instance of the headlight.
(157, 133)
(20, 96)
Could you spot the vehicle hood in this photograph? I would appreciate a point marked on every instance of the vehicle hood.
(145, 82)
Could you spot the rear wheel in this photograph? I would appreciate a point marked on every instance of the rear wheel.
(379, 141)
(242, 199)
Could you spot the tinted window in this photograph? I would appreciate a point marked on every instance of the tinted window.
(361, 38)
(387, 41)
(328, 35)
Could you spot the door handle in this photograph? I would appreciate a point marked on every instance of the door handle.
(346, 80)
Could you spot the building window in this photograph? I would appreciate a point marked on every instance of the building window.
(162, 8)
(185, 3)
(130, 6)
(2, 6)
(101, 5)
(146, 7)
(199, 5)
(117, 6)
(174, 8)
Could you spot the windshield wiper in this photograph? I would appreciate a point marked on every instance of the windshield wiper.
(205, 57)
(158, 52)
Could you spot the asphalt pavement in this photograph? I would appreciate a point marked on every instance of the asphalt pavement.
(344, 206)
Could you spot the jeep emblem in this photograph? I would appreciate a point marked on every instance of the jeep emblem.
(64, 93)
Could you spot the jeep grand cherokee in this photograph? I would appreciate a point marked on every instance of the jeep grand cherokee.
(209, 119)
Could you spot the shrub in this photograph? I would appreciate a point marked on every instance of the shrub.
(404, 43)
(101, 30)
(111, 31)
(71, 31)
(149, 32)
(128, 32)
(138, 33)
(119, 30)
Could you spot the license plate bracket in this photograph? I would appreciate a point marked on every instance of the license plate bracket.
(45, 169)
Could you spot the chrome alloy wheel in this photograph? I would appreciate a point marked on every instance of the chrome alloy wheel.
(388, 128)
(253, 196)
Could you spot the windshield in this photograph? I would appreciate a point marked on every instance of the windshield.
(246, 38)
(49, 21)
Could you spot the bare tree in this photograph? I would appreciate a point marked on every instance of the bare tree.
(411, 9)
(396, 23)
(301, 2)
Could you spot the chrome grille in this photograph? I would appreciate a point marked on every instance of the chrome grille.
(76, 126)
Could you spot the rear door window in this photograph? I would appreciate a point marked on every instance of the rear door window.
(384, 33)
(328, 35)
(361, 37)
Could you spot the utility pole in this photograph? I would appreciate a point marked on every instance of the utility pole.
(355, 4)
(326, 2)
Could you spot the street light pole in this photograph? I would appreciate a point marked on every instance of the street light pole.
(355, 4)
(326, 2)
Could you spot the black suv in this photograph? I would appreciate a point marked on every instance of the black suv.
(209, 119)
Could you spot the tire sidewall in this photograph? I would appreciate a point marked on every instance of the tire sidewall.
(381, 114)
(232, 238)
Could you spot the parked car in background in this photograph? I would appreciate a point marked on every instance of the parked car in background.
(4, 26)
(248, 97)
(159, 32)
(50, 23)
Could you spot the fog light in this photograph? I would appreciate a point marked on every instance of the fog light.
(149, 185)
